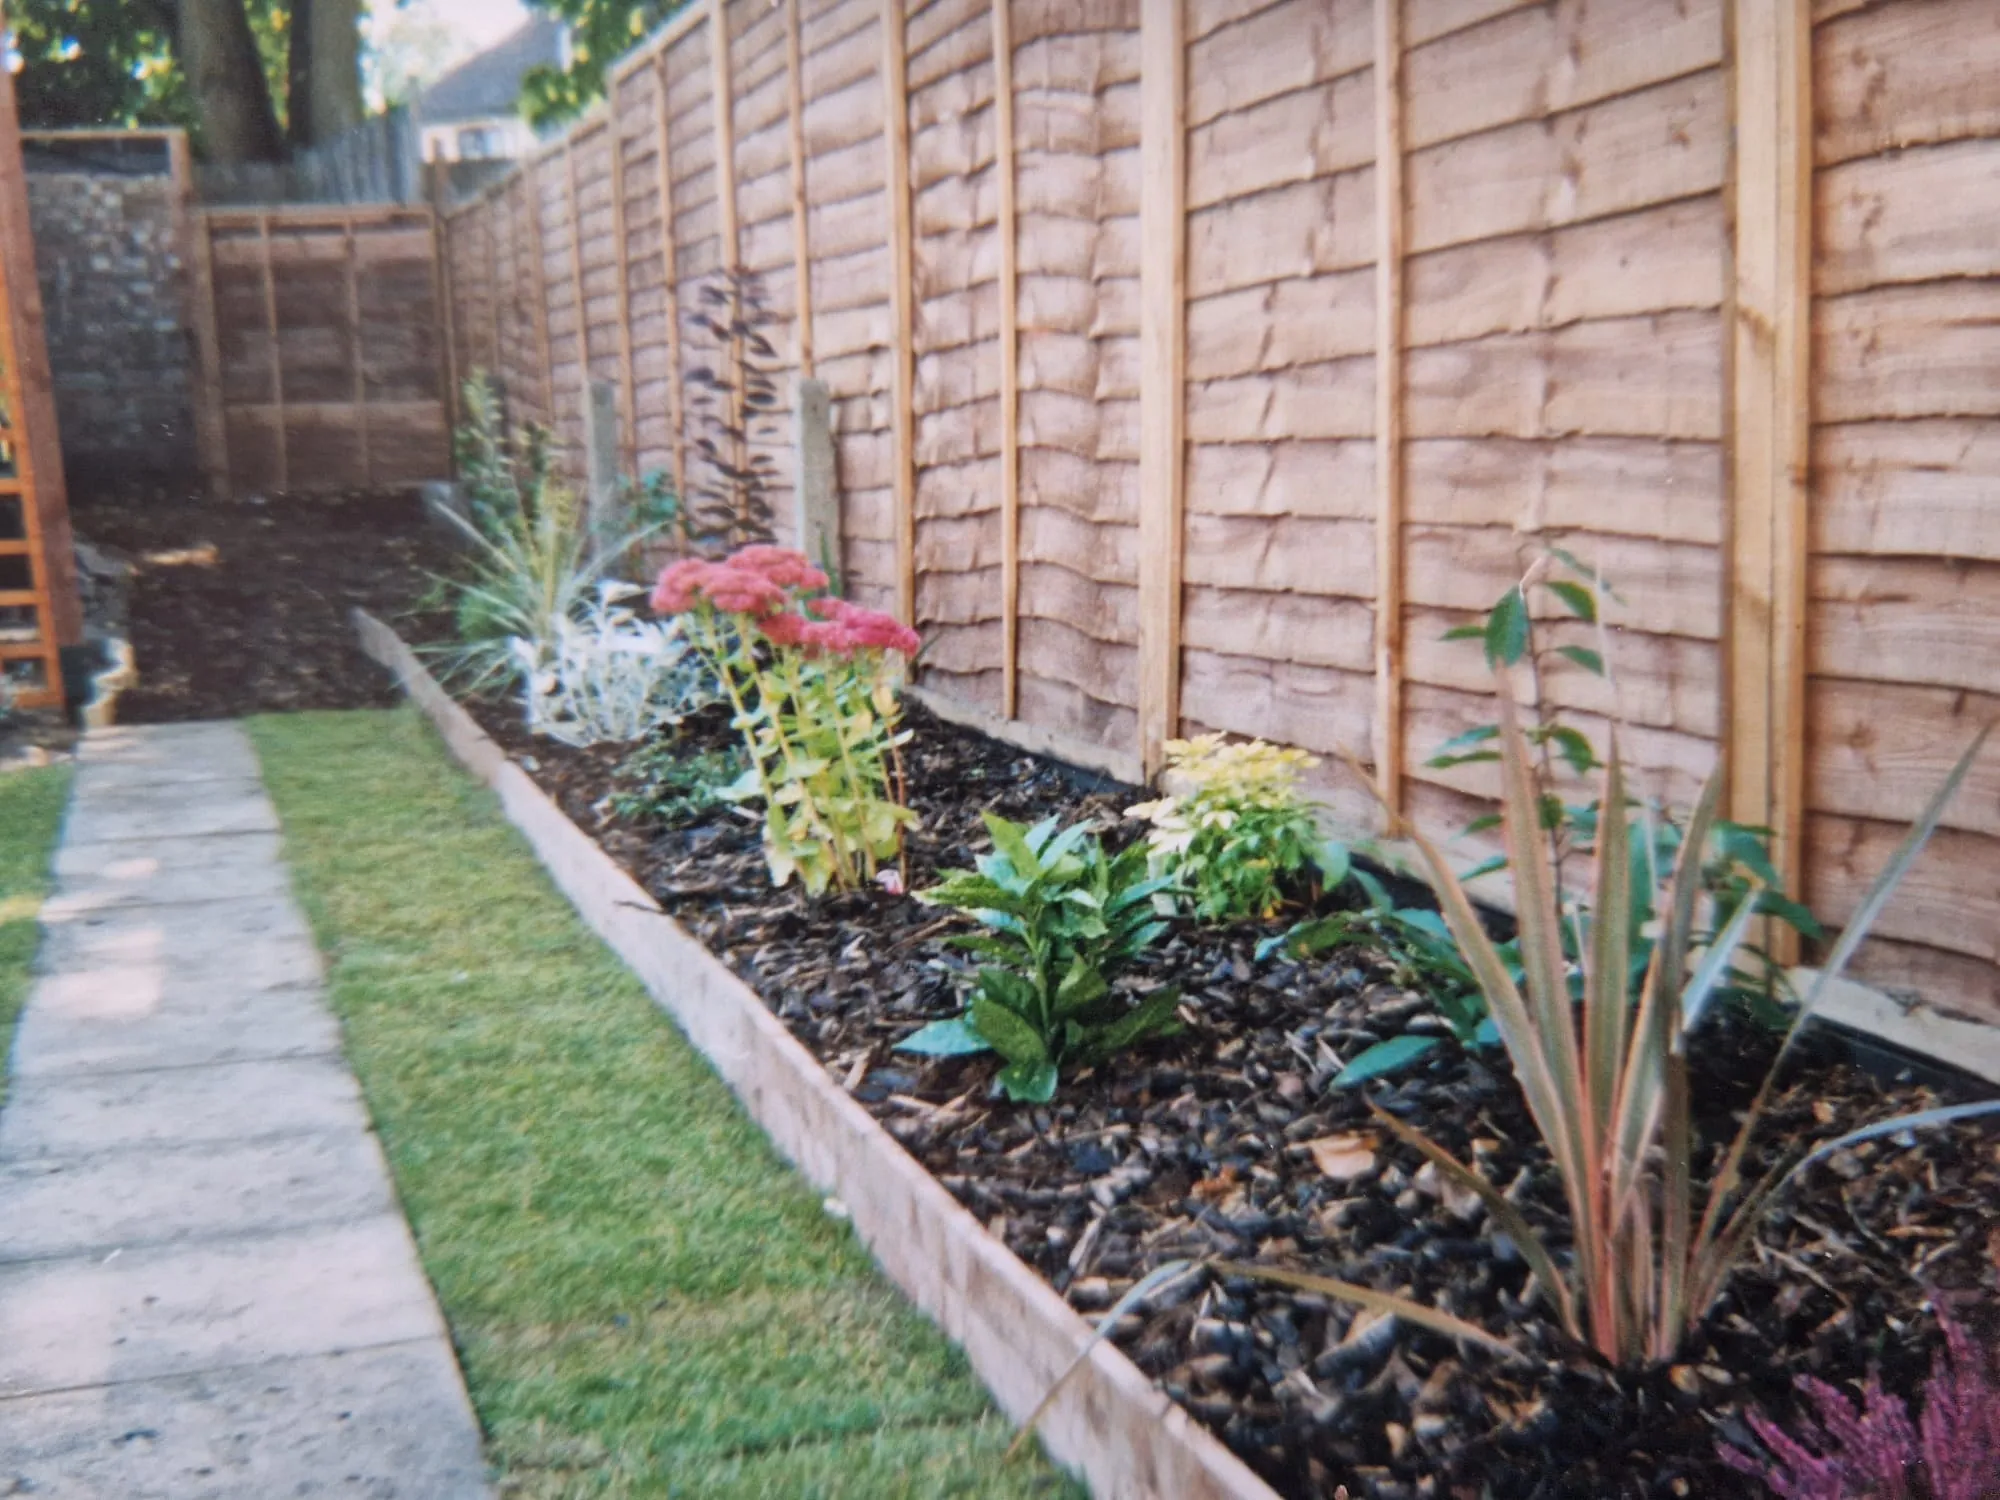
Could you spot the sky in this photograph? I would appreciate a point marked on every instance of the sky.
(428, 36)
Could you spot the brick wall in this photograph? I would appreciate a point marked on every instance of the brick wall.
(112, 290)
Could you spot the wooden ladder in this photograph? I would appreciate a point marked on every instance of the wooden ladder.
(27, 612)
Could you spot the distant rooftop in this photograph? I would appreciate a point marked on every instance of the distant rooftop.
(489, 84)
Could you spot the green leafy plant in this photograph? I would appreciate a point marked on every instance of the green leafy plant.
(1739, 865)
(1735, 868)
(814, 689)
(1607, 1085)
(1062, 919)
(1424, 956)
(662, 783)
(1239, 830)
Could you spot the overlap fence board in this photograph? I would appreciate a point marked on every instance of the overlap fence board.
(329, 336)
(1416, 327)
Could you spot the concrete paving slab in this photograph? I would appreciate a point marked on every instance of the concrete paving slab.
(150, 1018)
(213, 867)
(76, 1115)
(153, 814)
(90, 1206)
(206, 1287)
(179, 1310)
(203, 751)
(380, 1424)
(252, 942)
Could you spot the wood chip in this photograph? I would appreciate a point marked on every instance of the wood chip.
(1345, 1157)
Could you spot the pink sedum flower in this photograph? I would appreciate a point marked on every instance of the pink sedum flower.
(782, 566)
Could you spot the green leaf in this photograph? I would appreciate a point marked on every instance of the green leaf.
(1154, 1014)
(1334, 860)
(1507, 629)
(1485, 867)
(743, 788)
(1007, 1031)
(1318, 935)
(1011, 840)
(1080, 987)
(1474, 632)
(1591, 661)
(1005, 987)
(1574, 748)
(1478, 735)
(1581, 601)
(949, 1038)
(1384, 1057)
(1793, 913)
(1029, 1082)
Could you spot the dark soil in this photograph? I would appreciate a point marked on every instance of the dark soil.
(238, 608)
(1202, 1145)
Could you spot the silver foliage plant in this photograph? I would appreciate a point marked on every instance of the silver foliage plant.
(610, 675)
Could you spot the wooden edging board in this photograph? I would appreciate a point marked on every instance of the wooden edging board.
(1110, 1424)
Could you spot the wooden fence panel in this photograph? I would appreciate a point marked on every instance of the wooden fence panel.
(1904, 611)
(953, 150)
(1076, 74)
(332, 363)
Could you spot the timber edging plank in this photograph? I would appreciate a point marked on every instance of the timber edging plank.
(1110, 1424)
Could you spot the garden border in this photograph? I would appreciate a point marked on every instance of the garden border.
(1110, 1423)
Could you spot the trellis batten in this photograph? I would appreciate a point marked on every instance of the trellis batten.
(1408, 309)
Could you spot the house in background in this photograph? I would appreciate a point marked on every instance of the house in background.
(473, 112)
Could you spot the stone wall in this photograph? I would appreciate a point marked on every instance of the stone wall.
(113, 291)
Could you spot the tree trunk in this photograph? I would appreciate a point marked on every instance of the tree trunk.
(225, 75)
(324, 70)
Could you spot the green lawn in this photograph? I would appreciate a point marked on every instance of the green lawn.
(645, 1299)
(31, 809)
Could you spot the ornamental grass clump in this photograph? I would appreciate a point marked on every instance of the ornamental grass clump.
(1239, 830)
(1873, 1451)
(1604, 1072)
(813, 682)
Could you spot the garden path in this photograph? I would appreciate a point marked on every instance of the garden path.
(207, 1287)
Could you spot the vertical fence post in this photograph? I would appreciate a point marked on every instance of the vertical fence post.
(1162, 368)
(627, 386)
(1390, 208)
(670, 284)
(577, 279)
(1008, 230)
(1769, 415)
(902, 299)
(802, 306)
(492, 240)
(355, 351)
(277, 359)
(198, 297)
(538, 298)
(444, 287)
(724, 99)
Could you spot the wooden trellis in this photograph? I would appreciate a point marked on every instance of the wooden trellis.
(38, 610)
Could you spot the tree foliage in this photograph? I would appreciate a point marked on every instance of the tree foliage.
(601, 31)
(121, 62)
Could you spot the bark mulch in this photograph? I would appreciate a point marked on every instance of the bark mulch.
(241, 607)
(1226, 1141)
